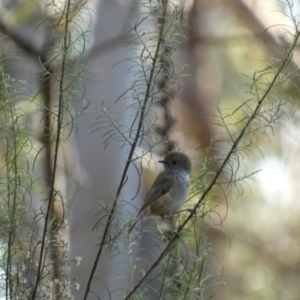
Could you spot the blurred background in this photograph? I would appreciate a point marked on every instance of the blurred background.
(257, 241)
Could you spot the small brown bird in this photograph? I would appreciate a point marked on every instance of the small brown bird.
(170, 189)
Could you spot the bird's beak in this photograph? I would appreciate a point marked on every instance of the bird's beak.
(163, 162)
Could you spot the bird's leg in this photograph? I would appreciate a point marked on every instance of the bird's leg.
(170, 227)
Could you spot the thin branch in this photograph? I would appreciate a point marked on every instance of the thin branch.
(57, 140)
(131, 152)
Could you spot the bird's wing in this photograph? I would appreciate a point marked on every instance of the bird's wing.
(160, 186)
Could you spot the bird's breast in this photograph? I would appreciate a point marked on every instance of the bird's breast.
(173, 200)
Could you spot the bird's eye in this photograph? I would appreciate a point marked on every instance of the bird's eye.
(174, 162)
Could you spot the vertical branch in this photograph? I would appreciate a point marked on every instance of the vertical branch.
(142, 113)
(11, 167)
(48, 121)
(14, 197)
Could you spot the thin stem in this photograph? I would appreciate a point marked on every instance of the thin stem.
(285, 61)
(11, 206)
(57, 140)
(14, 198)
(11, 167)
(131, 152)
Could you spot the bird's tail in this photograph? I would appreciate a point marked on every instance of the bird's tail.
(138, 217)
